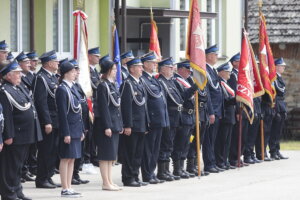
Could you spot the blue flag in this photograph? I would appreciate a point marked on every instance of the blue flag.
(116, 56)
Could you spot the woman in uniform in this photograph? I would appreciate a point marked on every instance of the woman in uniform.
(71, 128)
(109, 123)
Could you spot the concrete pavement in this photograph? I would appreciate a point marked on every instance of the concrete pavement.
(276, 180)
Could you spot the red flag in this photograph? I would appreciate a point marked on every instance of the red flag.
(249, 84)
(266, 60)
(195, 50)
(154, 43)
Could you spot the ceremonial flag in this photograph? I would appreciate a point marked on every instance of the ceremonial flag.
(249, 84)
(266, 60)
(81, 54)
(116, 55)
(154, 43)
(195, 50)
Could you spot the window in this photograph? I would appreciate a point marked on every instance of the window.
(62, 26)
(19, 25)
(214, 26)
(184, 5)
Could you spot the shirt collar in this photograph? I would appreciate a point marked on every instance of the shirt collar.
(93, 67)
(48, 72)
(137, 80)
(70, 84)
(148, 74)
(278, 74)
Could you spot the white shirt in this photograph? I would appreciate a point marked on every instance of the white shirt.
(137, 80)
(49, 72)
(69, 83)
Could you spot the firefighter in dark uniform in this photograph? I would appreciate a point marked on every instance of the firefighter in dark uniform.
(135, 123)
(174, 103)
(223, 140)
(205, 108)
(158, 116)
(1, 127)
(125, 57)
(253, 134)
(280, 112)
(216, 96)
(21, 128)
(3, 51)
(45, 85)
(233, 154)
(76, 180)
(183, 132)
(94, 57)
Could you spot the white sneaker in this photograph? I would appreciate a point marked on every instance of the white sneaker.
(89, 169)
(70, 194)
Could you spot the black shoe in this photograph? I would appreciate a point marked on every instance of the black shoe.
(52, 182)
(267, 159)
(45, 184)
(219, 169)
(132, 184)
(212, 170)
(82, 181)
(159, 180)
(141, 183)
(23, 197)
(249, 161)
(204, 173)
(30, 174)
(22, 180)
(26, 177)
(274, 157)
(75, 182)
(280, 156)
(151, 181)
(222, 167)
(256, 160)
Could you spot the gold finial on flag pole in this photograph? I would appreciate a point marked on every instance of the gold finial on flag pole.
(260, 3)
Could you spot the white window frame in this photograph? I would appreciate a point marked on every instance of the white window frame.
(60, 53)
(187, 7)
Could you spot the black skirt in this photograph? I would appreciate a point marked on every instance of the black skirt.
(72, 150)
(107, 146)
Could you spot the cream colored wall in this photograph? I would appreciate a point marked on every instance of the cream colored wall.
(4, 20)
(92, 9)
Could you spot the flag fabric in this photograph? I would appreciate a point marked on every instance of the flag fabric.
(249, 84)
(195, 50)
(116, 55)
(81, 55)
(154, 42)
(266, 60)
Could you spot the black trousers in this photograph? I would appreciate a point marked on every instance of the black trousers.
(209, 145)
(181, 142)
(132, 155)
(151, 152)
(193, 146)
(11, 162)
(276, 132)
(166, 145)
(253, 133)
(47, 155)
(222, 144)
(233, 155)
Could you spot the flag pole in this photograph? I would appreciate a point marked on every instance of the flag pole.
(262, 137)
(198, 133)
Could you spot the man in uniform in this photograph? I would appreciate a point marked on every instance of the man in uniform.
(183, 132)
(135, 122)
(21, 128)
(280, 112)
(33, 57)
(125, 57)
(216, 97)
(174, 103)
(24, 63)
(223, 140)
(158, 116)
(44, 88)
(3, 51)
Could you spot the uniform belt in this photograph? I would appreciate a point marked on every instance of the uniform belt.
(178, 108)
(189, 111)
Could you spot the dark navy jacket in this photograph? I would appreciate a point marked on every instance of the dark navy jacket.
(172, 94)
(21, 125)
(70, 119)
(45, 85)
(156, 103)
(229, 106)
(215, 94)
(84, 106)
(125, 72)
(280, 105)
(94, 80)
(187, 114)
(1, 123)
(134, 115)
(108, 99)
